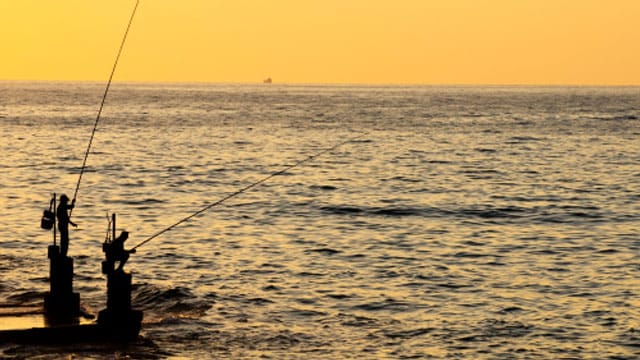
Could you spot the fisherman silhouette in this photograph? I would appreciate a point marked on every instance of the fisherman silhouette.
(63, 223)
(115, 251)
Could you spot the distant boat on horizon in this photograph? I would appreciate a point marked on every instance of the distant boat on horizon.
(267, 80)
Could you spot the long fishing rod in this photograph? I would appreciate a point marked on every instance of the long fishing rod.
(244, 189)
(104, 98)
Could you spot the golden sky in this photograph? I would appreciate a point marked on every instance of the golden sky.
(589, 42)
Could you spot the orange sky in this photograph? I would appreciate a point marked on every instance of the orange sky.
(589, 42)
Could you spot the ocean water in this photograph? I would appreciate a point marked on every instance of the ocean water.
(466, 223)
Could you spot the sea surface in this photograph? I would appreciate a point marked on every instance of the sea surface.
(461, 223)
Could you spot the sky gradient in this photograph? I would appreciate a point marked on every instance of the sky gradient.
(581, 42)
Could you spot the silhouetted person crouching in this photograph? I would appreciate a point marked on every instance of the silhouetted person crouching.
(115, 251)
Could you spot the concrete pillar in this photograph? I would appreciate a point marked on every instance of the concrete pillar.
(119, 291)
(118, 318)
(61, 302)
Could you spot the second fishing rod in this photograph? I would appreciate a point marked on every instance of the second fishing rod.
(248, 187)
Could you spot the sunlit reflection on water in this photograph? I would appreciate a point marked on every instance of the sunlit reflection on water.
(469, 223)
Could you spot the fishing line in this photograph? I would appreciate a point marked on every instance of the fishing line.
(104, 97)
(238, 192)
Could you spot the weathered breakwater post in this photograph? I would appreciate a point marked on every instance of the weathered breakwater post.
(118, 318)
(61, 304)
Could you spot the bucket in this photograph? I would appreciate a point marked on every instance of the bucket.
(48, 218)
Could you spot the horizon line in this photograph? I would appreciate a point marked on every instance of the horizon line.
(390, 84)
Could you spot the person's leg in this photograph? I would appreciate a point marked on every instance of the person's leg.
(123, 260)
(64, 242)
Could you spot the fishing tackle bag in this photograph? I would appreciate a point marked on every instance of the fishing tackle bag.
(48, 218)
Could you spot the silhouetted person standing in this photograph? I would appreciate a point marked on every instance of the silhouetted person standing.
(62, 213)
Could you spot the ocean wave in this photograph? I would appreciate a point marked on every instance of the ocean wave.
(323, 187)
(177, 301)
(486, 212)
(490, 328)
(136, 202)
(523, 139)
(377, 211)
(503, 214)
(356, 320)
(305, 313)
(625, 117)
(490, 212)
(407, 334)
(339, 296)
(404, 179)
(26, 298)
(386, 305)
(342, 210)
(324, 251)
(486, 150)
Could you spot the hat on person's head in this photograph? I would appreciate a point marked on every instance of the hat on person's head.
(64, 198)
